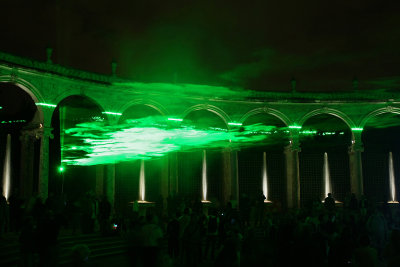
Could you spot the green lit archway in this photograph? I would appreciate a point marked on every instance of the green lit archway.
(381, 155)
(217, 111)
(324, 138)
(261, 166)
(70, 112)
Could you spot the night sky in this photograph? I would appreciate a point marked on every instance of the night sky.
(258, 45)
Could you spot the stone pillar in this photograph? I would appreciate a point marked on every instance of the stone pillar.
(173, 173)
(44, 162)
(110, 183)
(230, 190)
(355, 162)
(164, 179)
(25, 186)
(292, 174)
(99, 180)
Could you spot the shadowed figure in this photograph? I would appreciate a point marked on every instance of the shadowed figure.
(329, 203)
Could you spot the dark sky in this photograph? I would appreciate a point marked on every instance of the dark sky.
(257, 45)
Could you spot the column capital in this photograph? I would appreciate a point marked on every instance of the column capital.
(36, 132)
(294, 145)
(45, 131)
(230, 148)
(356, 146)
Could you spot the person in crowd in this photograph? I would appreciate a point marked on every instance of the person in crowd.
(329, 203)
(151, 240)
(365, 255)
(104, 215)
(391, 252)
(353, 205)
(212, 234)
(377, 230)
(4, 214)
(28, 241)
(245, 207)
(16, 211)
(173, 236)
(192, 240)
(48, 229)
(80, 256)
(184, 221)
(260, 208)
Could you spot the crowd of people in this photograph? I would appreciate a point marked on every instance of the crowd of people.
(188, 232)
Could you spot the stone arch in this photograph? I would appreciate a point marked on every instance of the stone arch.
(88, 98)
(312, 157)
(334, 112)
(388, 109)
(29, 89)
(216, 110)
(147, 102)
(269, 111)
(59, 100)
(24, 85)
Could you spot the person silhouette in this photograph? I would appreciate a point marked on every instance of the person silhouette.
(329, 202)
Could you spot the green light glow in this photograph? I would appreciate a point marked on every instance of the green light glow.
(235, 123)
(46, 105)
(357, 129)
(294, 127)
(174, 119)
(112, 113)
(1, 107)
(308, 132)
(13, 121)
(61, 169)
(97, 143)
(187, 90)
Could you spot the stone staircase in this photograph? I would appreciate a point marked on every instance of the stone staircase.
(99, 247)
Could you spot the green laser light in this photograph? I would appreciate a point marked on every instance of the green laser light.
(46, 105)
(112, 113)
(235, 123)
(174, 119)
(357, 129)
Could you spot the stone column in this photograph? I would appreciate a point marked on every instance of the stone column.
(164, 179)
(99, 180)
(44, 162)
(110, 183)
(25, 186)
(173, 173)
(355, 161)
(292, 174)
(230, 190)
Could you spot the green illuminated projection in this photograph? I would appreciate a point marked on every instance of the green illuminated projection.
(97, 143)
(46, 105)
(357, 129)
(188, 90)
(13, 122)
